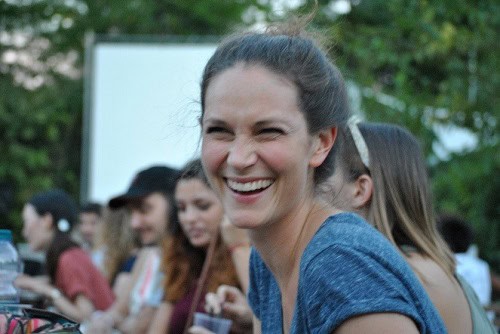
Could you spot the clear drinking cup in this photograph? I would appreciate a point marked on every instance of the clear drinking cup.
(213, 324)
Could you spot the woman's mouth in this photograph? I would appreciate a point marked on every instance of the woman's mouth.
(197, 235)
(249, 187)
(196, 232)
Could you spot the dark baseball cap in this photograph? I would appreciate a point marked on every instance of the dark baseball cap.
(154, 179)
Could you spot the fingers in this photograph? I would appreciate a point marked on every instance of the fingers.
(234, 303)
(239, 312)
(26, 282)
(227, 293)
(212, 303)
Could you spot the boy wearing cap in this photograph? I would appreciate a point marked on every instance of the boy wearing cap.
(150, 200)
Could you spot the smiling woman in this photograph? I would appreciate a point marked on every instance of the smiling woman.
(271, 106)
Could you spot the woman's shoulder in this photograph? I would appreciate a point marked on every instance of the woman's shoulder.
(345, 224)
(74, 255)
(348, 248)
(450, 295)
(436, 281)
(347, 231)
(428, 269)
(363, 284)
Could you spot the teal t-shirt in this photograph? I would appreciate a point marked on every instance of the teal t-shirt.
(347, 269)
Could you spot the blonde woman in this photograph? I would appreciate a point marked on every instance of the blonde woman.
(380, 174)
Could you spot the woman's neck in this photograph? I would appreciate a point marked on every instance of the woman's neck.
(281, 246)
(282, 243)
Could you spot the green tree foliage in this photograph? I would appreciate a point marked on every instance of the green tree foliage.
(436, 58)
(41, 60)
(420, 63)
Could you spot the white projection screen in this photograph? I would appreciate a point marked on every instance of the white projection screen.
(141, 108)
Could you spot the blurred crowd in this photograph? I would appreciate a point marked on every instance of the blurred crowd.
(110, 266)
(134, 264)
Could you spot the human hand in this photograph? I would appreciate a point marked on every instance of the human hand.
(232, 304)
(99, 323)
(33, 284)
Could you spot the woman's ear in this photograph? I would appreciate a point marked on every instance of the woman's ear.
(323, 144)
(363, 191)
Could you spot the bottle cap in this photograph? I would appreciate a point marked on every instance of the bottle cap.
(6, 235)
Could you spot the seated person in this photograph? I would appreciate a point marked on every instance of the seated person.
(75, 286)
(90, 221)
(380, 173)
(194, 245)
(149, 201)
(118, 244)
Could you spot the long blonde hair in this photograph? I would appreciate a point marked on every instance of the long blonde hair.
(401, 203)
(117, 238)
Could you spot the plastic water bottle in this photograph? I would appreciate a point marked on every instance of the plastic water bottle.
(9, 269)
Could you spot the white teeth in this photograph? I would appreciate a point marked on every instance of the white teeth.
(249, 186)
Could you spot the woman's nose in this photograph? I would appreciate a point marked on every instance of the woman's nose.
(242, 154)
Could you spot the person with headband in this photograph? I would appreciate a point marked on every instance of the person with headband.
(271, 105)
(75, 287)
(380, 173)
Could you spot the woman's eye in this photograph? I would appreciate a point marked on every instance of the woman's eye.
(271, 132)
(216, 129)
(219, 132)
(204, 206)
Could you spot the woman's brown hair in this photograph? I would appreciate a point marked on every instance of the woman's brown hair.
(182, 263)
(290, 51)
